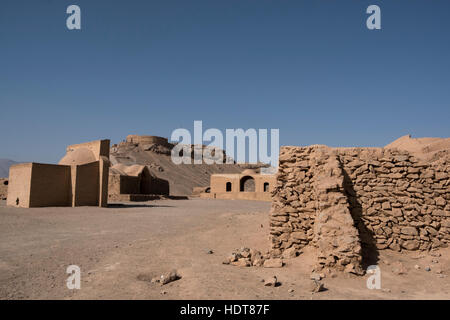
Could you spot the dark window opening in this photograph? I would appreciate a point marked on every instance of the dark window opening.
(228, 187)
(266, 187)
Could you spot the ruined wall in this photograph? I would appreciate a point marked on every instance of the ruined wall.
(395, 201)
(19, 185)
(86, 188)
(132, 138)
(3, 188)
(219, 186)
(99, 148)
(38, 185)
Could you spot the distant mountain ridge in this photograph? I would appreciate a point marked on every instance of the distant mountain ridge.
(4, 167)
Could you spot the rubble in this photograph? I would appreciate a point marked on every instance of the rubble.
(271, 282)
(167, 277)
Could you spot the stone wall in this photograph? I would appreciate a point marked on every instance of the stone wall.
(392, 199)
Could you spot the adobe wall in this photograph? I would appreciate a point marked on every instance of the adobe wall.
(51, 185)
(219, 181)
(38, 185)
(3, 188)
(86, 184)
(155, 185)
(98, 147)
(19, 185)
(395, 201)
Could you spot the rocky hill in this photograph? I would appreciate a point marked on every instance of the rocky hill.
(429, 149)
(155, 152)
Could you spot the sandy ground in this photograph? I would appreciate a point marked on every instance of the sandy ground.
(116, 246)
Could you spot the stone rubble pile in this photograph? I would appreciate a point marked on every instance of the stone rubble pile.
(246, 257)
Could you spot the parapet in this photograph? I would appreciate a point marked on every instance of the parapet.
(132, 138)
(86, 152)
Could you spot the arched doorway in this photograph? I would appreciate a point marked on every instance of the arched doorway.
(247, 184)
(266, 187)
(228, 187)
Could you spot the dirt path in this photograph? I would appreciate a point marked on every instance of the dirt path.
(114, 246)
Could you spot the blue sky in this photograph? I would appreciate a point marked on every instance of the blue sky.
(310, 68)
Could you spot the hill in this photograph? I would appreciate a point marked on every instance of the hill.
(429, 149)
(155, 152)
(4, 167)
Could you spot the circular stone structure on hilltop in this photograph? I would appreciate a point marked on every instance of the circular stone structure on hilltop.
(133, 138)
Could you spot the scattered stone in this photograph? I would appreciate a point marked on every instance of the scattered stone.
(167, 277)
(317, 286)
(435, 254)
(315, 276)
(242, 262)
(427, 269)
(290, 253)
(245, 257)
(209, 252)
(271, 282)
(386, 290)
(399, 268)
(291, 290)
(273, 263)
(417, 267)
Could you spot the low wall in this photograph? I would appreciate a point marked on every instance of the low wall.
(395, 200)
(259, 196)
(86, 185)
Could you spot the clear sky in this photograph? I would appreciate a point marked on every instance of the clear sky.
(310, 68)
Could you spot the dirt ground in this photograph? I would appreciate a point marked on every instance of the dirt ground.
(115, 246)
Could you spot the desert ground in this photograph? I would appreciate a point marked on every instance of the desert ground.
(120, 248)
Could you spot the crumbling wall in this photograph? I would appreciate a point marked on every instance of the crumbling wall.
(3, 188)
(395, 201)
(335, 235)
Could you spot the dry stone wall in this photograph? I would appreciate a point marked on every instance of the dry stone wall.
(391, 199)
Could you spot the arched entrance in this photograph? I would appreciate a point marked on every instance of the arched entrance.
(247, 184)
